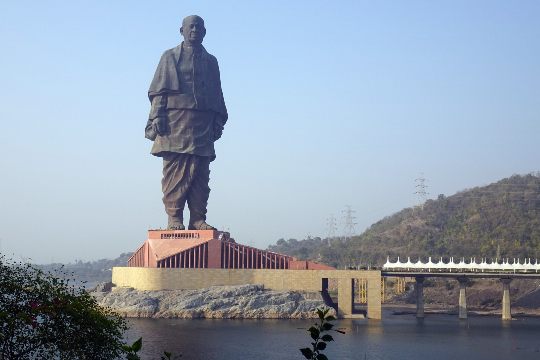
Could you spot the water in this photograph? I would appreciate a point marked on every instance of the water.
(400, 337)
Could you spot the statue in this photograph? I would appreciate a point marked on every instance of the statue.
(187, 116)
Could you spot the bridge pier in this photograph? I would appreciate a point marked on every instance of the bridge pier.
(345, 304)
(419, 287)
(506, 310)
(345, 297)
(462, 297)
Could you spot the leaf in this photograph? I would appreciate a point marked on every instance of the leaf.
(137, 345)
(314, 332)
(327, 338)
(321, 357)
(321, 346)
(308, 354)
(328, 326)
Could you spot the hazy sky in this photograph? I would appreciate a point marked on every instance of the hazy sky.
(330, 103)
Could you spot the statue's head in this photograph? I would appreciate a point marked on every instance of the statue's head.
(193, 29)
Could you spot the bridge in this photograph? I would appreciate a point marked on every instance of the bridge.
(462, 270)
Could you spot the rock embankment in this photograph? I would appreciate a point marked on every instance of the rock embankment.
(217, 302)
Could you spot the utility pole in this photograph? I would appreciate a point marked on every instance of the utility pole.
(331, 227)
(348, 222)
(421, 189)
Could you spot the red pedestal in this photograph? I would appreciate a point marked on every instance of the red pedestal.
(209, 249)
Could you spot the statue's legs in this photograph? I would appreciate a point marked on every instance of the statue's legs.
(197, 197)
(175, 182)
(185, 178)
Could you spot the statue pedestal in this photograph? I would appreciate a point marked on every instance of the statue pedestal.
(209, 249)
(203, 249)
(181, 248)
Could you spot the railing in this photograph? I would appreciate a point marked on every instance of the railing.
(504, 265)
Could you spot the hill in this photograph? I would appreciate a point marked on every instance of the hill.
(498, 220)
(88, 274)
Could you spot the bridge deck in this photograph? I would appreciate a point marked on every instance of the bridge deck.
(460, 274)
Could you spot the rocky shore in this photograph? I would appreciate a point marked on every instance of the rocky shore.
(217, 302)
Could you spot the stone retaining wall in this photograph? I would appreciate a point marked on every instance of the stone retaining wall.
(301, 280)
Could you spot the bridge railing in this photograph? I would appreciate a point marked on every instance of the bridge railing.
(504, 265)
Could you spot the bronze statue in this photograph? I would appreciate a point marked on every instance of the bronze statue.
(187, 116)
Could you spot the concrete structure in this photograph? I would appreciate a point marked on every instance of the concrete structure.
(197, 259)
(345, 297)
(504, 270)
(463, 280)
(419, 287)
(462, 304)
(209, 249)
(506, 311)
(147, 278)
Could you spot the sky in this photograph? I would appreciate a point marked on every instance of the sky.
(330, 104)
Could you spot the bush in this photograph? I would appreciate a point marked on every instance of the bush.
(43, 316)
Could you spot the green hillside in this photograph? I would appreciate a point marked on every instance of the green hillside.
(498, 220)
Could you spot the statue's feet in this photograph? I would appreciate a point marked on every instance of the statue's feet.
(176, 227)
(175, 224)
(201, 226)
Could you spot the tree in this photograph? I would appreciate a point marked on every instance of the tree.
(43, 316)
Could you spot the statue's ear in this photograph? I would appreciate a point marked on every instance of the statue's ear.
(181, 31)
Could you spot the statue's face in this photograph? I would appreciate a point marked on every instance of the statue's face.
(193, 29)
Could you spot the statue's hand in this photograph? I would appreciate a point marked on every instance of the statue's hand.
(160, 125)
(218, 130)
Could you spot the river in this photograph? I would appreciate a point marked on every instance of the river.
(396, 337)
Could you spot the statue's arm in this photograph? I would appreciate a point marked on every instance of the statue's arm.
(159, 107)
(157, 123)
(221, 116)
(223, 108)
(157, 119)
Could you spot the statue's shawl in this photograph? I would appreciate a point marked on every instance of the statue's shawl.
(166, 79)
(166, 76)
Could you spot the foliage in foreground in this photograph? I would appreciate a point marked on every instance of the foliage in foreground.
(318, 333)
(132, 351)
(43, 316)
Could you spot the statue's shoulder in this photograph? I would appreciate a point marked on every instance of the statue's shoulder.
(212, 57)
(209, 56)
(175, 51)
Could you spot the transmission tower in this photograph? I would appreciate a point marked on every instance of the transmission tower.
(331, 226)
(421, 189)
(348, 221)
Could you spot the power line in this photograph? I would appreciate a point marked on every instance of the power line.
(331, 226)
(421, 189)
(348, 221)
